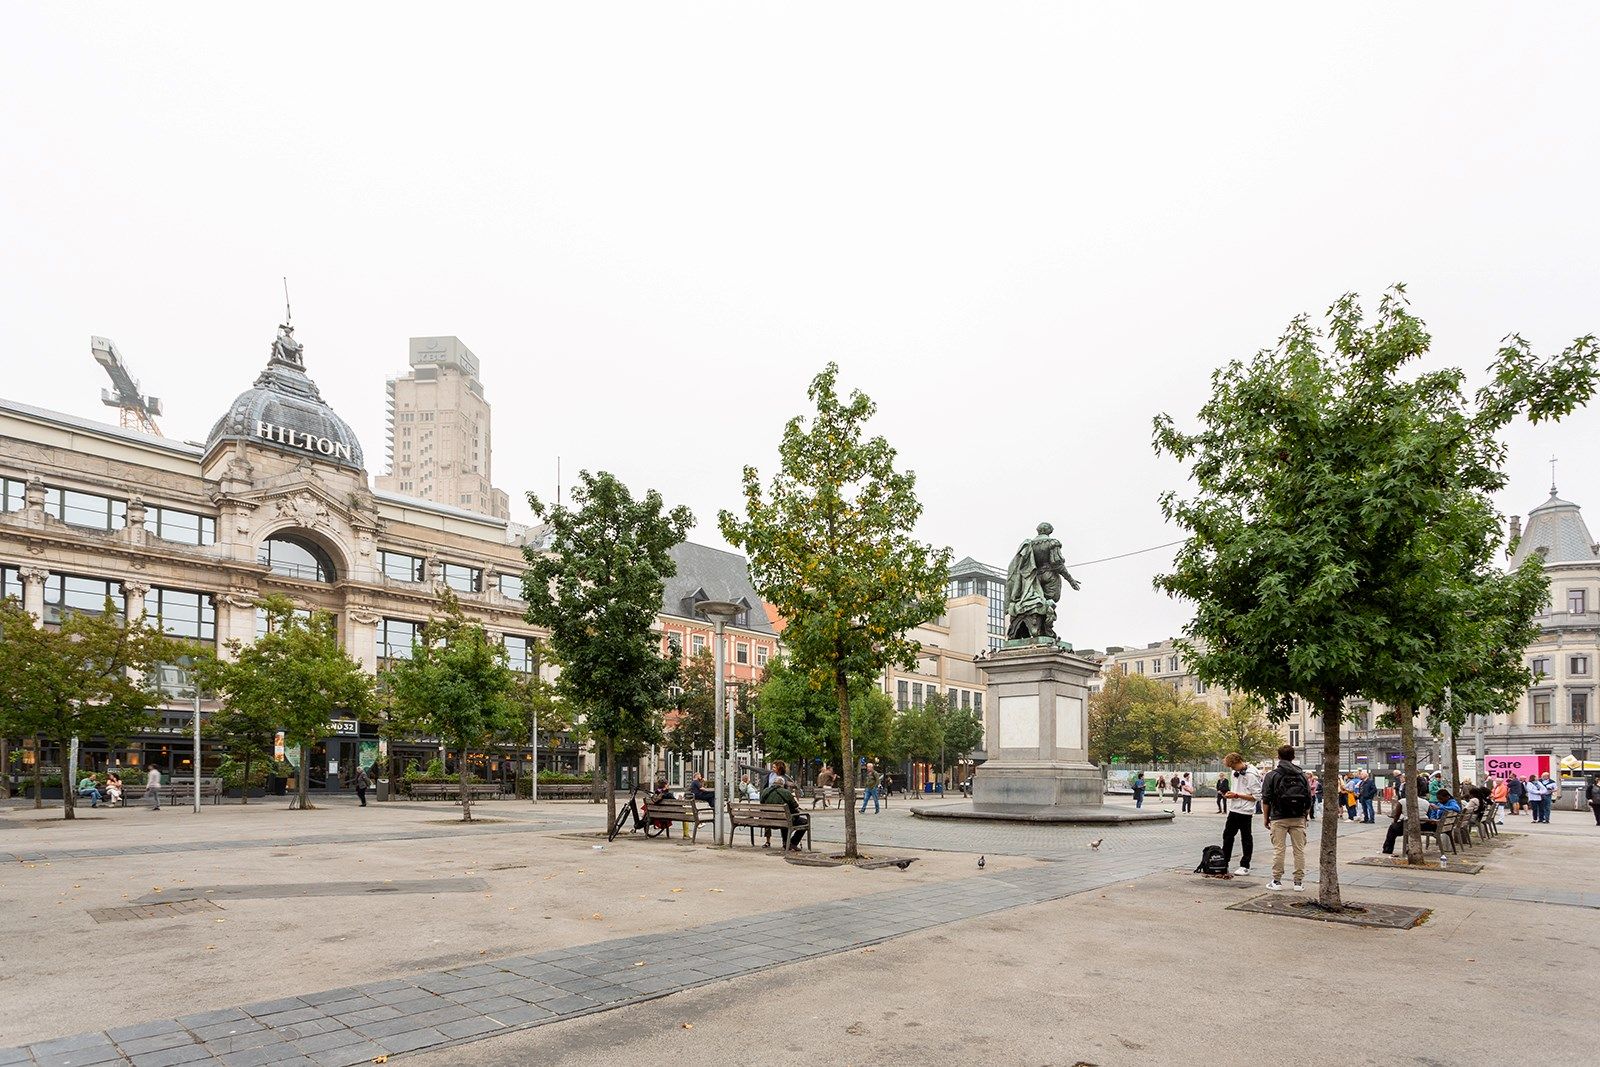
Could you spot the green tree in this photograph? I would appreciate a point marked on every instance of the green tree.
(295, 675)
(246, 733)
(797, 722)
(694, 726)
(1243, 728)
(963, 732)
(830, 544)
(1113, 726)
(1315, 469)
(1172, 728)
(455, 686)
(597, 591)
(92, 677)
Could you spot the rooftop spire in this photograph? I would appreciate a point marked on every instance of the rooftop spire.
(1552, 476)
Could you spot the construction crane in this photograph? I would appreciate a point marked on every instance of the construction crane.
(138, 411)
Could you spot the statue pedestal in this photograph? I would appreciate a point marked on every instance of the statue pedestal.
(1036, 735)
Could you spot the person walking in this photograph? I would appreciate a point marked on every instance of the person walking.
(152, 788)
(1367, 793)
(870, 782)
(825, 780)
(1222, 794)
(1285, 799)
(1315, 786)
(1498, 793)
(1161, 785)
(1187, 789)
(1138, 789)
(362, 783)
(1242, 800)
(1592, 795)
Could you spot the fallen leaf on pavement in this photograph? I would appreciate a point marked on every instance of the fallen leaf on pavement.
(687, 1026)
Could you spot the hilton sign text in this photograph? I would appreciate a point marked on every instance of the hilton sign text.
(324, 446)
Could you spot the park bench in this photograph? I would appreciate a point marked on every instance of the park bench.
(174, 793)
(825, 795)
(762, 817)
(565, 791)
(452, 791)
(686, 811)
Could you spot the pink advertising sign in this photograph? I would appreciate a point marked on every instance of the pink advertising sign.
(1520, 765)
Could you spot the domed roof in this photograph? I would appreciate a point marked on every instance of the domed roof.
(285, 410)
(1557, 530)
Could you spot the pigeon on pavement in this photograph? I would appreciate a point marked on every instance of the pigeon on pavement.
(980, 863)
(1096, 843)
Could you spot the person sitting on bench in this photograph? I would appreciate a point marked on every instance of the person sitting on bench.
(778, 793)
(1428, 821)
(697, 790)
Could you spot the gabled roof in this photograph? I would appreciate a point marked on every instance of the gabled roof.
(706, 573)
(1557, 526)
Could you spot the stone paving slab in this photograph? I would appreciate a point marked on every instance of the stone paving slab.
(281, 841)
(354, 1024)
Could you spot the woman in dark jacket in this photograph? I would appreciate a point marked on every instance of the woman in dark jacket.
(1593, 798)
(1516, 794)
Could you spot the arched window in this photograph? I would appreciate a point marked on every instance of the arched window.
(295, 557)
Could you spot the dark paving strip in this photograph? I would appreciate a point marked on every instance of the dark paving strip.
(317, 889)
(287, 841)
(151, 911)
(443, 1008)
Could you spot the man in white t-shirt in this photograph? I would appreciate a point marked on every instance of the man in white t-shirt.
(1242, 795)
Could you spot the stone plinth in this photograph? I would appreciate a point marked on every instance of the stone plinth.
(1037, 734)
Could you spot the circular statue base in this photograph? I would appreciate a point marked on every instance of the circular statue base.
(1020, 813)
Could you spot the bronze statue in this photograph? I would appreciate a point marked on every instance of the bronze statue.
(285, 349)
(1033, 585)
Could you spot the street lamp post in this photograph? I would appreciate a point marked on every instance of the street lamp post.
(720, 613)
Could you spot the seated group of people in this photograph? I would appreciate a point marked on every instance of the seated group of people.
(776, 791)
(90, 790)
(1429, 814)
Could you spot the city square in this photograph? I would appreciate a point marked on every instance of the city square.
(385, 931)
(866, 534)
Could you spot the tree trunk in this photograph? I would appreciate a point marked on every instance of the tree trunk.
(1408, 770)
(466, 791)
(1455, 765)
(841, 694)
(303, 780)
(611, 783)
(5, 769)
(38, 772)
(69, 789)
(1328, 846)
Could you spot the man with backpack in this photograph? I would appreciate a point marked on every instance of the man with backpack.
(1286, 801)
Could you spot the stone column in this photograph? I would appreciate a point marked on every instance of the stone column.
(33, 591)
(236, 619)
(133, 591)
(361, 638)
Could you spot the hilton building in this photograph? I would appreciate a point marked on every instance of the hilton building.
(277, 501)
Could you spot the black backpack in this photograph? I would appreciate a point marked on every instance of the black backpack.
(1211, 861)
(1289, 794)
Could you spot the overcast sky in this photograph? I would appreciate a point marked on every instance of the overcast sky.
(1022, 229)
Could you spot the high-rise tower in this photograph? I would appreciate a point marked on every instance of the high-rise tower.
(438, 445)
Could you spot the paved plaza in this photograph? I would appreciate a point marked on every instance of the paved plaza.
(253, 934)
